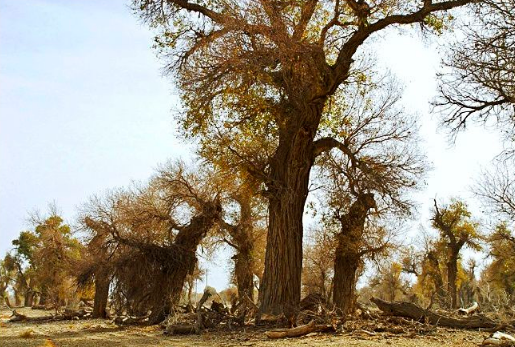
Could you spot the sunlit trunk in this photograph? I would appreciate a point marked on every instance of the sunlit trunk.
(288, 190)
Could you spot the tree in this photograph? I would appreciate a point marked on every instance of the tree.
(24, 266)
(244, 228)
(501, 272)
(6, 277)
(481, 86)
(456, 230)
(388, 283)
(317, 272)
(273, 67)
(155, 231)
(378, 132)
(54, 256)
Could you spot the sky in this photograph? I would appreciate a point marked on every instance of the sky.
(84, 108)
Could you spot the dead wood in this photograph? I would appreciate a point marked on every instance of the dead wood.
(299, 331)
(67, 315)
(17, 317)
(413, 311)
(469, 310)
(499, 339)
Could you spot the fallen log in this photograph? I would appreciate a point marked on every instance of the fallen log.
(68, 315)
(413, 311)
(17, 317)
(299, 331)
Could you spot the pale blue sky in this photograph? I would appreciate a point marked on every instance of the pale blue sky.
(83, 108)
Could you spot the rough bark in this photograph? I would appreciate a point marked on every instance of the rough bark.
(244, 241)
(436, 275)
(410, 310)
(452, 273)
(345, 273)
(349, 252)
(287, 192)
(101, 295)
(181, 259)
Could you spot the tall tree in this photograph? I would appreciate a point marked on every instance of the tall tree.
(243, 228)
(273, 67)
(378, 132)
(456, 230)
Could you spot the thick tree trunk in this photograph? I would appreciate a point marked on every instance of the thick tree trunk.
(348, 252)
(101, 295)
(452, 273)
(288, 190)
(244, 273)
(182, 260)
(345, 271)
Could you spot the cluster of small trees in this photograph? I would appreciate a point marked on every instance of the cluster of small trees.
(285, 104)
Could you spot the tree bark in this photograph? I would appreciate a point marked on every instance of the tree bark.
(452, 273)
(345, 270)
(348, 252)
(101, 295)
(287, 192)
(182, 260)
(243, 241)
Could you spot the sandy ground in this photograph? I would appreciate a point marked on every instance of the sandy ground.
(101, 333)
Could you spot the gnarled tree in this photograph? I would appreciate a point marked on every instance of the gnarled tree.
(273, 66)
(156, 232)
(382, 163)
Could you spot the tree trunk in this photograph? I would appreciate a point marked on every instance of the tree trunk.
(345, 270)
(288, 190)
(452, 273)
(28, 298)
(7, 301)
(348, 252)
(182, 260)
(101, 295)
(244, 239)
(17, 299)
(244, 274)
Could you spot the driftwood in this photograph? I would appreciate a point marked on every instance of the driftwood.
(299, 331)
(410, 310)
(499, 339)
(469, 310)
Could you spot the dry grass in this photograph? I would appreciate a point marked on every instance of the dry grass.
(101, 333)
(26, 334)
